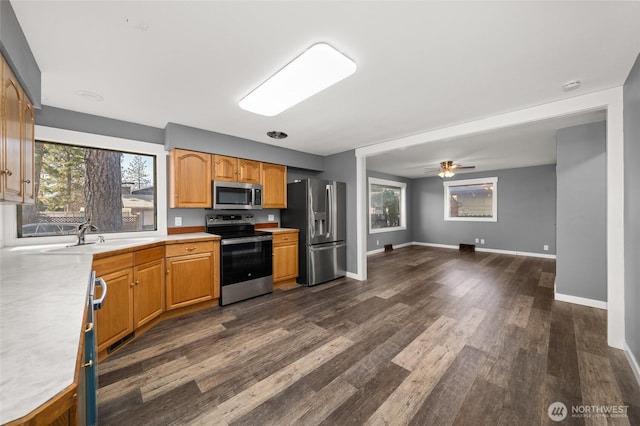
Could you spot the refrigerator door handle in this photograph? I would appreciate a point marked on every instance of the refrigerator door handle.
(330, 246)
(329, 210)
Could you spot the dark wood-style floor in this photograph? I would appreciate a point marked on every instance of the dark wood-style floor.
(433, 337)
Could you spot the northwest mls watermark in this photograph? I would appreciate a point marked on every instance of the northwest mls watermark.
(557, 411)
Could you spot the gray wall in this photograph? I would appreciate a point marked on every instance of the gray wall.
(87, 123)
(632, 208)
(526, 212)
(16, 50)
(581, 238)
(178, 136)
(378, 240)
(342, 167)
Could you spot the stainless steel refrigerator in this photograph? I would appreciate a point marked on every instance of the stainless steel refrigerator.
(318, 209)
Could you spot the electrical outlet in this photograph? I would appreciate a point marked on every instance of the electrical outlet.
(271, 217)
(477, 240)
(178, 221)
(481, 240)
(377, 242)
(545, 247)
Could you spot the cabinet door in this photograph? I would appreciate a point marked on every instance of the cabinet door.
(249, 171)
(274, 186)
(189, 280)
(115, 319)
(148, 293)
(225, 168)
(285, 262)
(10, 173)
(28, 147)
(189, 179)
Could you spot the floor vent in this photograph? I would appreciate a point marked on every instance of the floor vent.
(388, 247)
(467, 248)
(121, 342)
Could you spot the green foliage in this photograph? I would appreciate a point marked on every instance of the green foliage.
(385, 203)
(61, 177)
(137, 172)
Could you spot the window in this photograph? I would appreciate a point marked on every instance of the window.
(387, 209)
(474, 200)
(115, 189)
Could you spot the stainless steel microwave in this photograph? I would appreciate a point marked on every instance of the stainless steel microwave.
(236, 195)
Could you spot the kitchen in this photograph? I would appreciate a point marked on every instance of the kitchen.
(340, 166)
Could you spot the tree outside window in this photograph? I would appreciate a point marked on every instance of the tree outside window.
(386, 205)
(73, 183)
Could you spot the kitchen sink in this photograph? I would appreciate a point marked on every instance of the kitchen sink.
(89, 248)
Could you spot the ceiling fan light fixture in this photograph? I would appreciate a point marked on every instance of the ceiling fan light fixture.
(314, 70)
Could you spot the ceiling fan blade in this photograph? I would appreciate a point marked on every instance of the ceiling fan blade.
(458, 167)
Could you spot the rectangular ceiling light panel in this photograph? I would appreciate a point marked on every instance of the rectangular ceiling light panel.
(317, 68)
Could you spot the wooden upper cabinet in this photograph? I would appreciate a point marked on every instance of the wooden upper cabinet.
(233, 169)
(225, 168)
(274, 186)
(28, 145)
(189, 179)
(11, 160)
(249, 171)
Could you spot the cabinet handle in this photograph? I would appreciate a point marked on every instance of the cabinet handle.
(27, 181)
(132, 284)
(88, 364)
(89, 327)
(137, 282)
(190, 248)
(168, 271)
(6, 172)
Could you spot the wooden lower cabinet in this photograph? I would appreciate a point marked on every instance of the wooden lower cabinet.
(285, 257)
(135, 293)
(115, 319)
(192, 279)
(148, 290)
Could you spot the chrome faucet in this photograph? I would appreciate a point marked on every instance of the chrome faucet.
(83, 228)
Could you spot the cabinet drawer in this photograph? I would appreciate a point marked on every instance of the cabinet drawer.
(113, 263)
(285, 237)
(182, 249)
(147, 255)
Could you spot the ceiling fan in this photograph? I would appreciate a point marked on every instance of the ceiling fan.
(447, 169)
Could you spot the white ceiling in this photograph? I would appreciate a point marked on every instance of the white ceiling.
(526, 145)
(421, 65)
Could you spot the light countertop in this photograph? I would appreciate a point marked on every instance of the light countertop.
(43, 292)
(276, 230)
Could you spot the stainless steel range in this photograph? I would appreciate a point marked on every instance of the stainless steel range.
(247, 263)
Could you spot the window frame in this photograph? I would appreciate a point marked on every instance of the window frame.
(447, 198)
(90, 140)
(403, 204)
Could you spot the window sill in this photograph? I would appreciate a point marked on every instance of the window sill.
(381, 230)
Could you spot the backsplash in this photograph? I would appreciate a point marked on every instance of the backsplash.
(195, 217)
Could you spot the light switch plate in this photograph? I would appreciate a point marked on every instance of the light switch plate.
(271, 217)
(178, 221)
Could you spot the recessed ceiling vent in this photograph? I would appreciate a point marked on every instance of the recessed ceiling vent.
(275, 134)
(571, 85)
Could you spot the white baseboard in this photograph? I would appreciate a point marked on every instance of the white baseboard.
(632, 361)
(447, 246)
(518, 253)
(354, 276)
(490, 250)
(395, 246)
(581, 301)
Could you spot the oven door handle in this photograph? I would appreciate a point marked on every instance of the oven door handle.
(246, 240)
